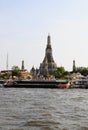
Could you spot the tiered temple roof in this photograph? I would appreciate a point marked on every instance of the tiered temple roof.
(48, 66)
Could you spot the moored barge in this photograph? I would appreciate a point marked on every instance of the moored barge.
(37, 84)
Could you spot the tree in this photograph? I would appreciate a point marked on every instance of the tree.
(16, 71)
(82, 70)
(6, 75)
(60, 73)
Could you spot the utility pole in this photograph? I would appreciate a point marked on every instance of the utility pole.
(7, 62)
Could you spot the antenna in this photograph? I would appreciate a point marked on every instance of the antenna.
(7, 62)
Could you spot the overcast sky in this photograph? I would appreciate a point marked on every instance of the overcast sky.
(24, 27)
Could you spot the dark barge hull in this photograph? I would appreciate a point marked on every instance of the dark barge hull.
(31, 86)
(34, 84)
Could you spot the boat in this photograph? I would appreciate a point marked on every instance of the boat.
(80, 83)
(36, 84)
(63, 85)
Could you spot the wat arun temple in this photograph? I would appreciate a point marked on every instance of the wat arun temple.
(48, 66)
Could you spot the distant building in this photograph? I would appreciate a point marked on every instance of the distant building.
(76, 75)
(74, 67)
(22, 68)
(48, 66)
(6, 71)
(33, 72)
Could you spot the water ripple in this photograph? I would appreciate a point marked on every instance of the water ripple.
(43, 109)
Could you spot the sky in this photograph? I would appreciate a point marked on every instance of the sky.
(25, 25)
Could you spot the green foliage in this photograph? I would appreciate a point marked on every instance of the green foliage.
(16, 71)
(60, 73)
(82, 70)
(15, 68)
(5, 75)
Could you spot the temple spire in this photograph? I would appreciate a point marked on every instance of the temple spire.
(48, 66)
(48, 39)
(22, 65)
(74, 67)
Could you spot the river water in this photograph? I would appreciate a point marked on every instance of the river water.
(43, 109)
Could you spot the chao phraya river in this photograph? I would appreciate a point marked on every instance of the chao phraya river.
(43, 109)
